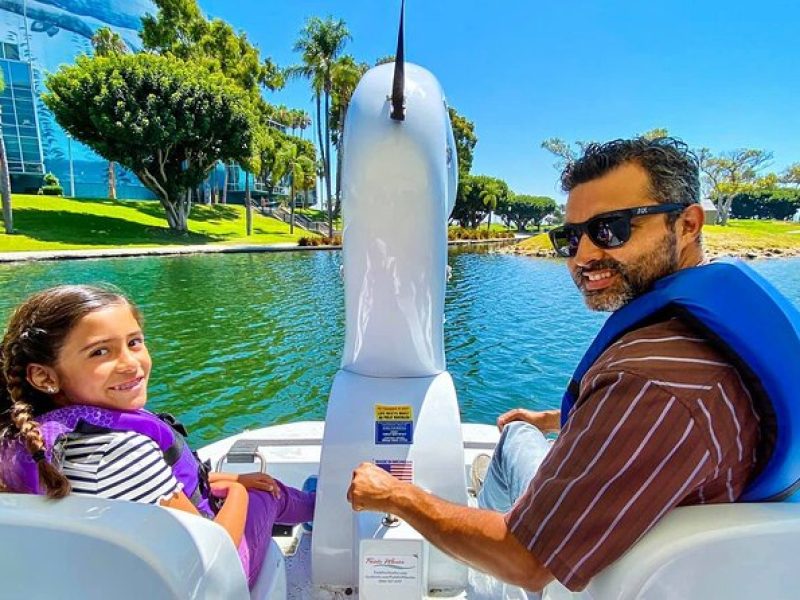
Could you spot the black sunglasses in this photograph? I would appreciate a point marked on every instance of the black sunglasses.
(606, 230)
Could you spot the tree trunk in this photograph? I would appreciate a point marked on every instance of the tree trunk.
(291, 206)
(724, 208)
(248, 208)
(5, 190)
(489, 223)
(112, 181)
(225, 185)
(178, 212)
(339, 159)
(328, 189)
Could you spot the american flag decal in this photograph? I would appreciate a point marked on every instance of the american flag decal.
(402, 469)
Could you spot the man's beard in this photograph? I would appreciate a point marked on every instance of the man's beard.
(633, 279)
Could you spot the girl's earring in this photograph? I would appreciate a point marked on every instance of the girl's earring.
(52, 390)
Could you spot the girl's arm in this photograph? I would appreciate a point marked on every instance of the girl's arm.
(231, 516)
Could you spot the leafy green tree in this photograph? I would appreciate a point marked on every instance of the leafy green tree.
(522, 210)
(320, 43)
(180, 29)
(465, 138)
(490, 194)
(732, 172)
(164, 119)
(654, 134)
(791, 176)
(779, 204)
(476, 197)
(109, 43)
(301, 169)
(566, 153)
(5, 181)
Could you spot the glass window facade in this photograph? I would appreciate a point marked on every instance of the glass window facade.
(18, 114)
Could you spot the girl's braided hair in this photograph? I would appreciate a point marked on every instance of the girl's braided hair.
(35, 334)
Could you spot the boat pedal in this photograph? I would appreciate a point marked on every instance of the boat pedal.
(287, 537)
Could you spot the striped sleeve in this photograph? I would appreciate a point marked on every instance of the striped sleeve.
(630, 452)
(120, 466)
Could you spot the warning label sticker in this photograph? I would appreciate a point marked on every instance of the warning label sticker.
(388, 412)
(394, 424)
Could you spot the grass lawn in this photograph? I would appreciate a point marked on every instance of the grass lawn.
(739, 237)
(316, 214)
(53, 223)
(745, 236)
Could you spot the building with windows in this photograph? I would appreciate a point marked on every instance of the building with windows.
(20, 125)
(36, 37)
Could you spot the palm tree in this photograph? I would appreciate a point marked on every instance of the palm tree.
(109, 43)
(320, 44)
(345, 75)
(5, 181)
(301, 169)
(489, 195)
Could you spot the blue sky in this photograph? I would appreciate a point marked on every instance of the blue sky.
(718, 74)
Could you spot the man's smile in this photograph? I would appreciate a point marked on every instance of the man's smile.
(597, 280)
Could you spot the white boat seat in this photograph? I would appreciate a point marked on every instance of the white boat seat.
(722, 551)
(91, 548)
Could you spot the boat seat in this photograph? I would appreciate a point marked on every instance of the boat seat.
(722, 551)
(87, 547)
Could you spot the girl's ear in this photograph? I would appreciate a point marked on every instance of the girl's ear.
(42, 378)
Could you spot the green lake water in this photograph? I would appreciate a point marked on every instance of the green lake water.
(247, 340)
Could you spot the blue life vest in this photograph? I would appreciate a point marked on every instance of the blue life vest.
(754, 326)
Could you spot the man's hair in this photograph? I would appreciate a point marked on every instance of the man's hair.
(673, 169)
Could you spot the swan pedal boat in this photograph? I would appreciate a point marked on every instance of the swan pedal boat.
(392, 401)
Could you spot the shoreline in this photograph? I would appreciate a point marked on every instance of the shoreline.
(96, 253)
(710, 252)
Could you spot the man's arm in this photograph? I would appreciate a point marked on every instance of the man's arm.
(477, 537)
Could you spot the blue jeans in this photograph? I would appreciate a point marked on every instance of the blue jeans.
(520, 451)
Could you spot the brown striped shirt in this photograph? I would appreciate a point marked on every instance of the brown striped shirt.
(662, 420)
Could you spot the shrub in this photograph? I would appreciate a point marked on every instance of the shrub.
(50, 180)
(463, 233)
(51, 190)
(316, 240)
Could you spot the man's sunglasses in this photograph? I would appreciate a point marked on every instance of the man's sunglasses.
(606, 230)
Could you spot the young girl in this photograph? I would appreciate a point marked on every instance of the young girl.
(73, 385)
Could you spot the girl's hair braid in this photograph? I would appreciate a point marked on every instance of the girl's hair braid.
(35, 334)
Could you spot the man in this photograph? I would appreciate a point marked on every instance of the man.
(660, 419)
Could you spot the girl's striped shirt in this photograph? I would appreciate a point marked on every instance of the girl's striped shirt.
(118, 465)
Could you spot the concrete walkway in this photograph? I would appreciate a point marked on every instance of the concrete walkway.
(7, 257)
(11, 257)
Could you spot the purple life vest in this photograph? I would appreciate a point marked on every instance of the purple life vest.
(19, 472)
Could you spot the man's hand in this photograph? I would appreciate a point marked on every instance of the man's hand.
(260, 481)
(545, 420)
(250, 481)
(372, 488)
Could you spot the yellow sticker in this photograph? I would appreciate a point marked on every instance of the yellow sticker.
(389, 412)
